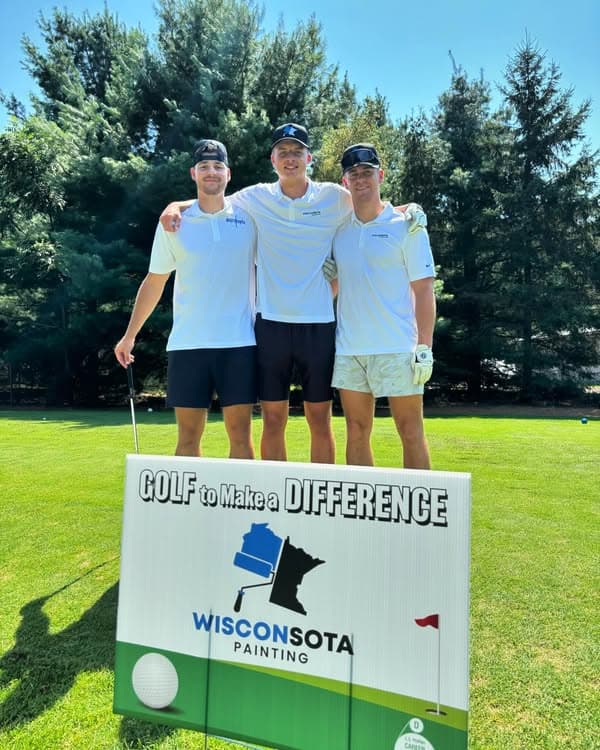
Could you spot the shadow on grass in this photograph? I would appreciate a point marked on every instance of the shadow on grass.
(46, 665)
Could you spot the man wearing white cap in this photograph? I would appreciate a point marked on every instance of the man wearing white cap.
(212, 346)
(296, 219)
(386, 314)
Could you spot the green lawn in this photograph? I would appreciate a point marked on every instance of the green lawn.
(534, 637)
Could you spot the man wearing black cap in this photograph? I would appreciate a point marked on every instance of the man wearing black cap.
(384, 333)
(212, 344)
(296, 219)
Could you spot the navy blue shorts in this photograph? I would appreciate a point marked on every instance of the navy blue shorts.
(194, 375)
(307, 347)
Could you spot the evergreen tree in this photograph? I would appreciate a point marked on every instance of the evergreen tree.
(548, 274)
(291, 67)
(203, 67)
(475, 143)
(93, 59)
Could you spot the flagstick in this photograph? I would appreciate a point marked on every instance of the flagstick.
(434, 621)
(439, 689)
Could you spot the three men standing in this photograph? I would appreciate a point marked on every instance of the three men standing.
(296, 221)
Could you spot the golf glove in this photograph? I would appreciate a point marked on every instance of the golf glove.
(422, 364)
(330, 269)
(416, 216)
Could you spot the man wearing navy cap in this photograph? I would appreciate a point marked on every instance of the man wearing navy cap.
(296, 219)
(212, 346)
(384, 333)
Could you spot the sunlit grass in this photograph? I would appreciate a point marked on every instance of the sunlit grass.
(534, 657)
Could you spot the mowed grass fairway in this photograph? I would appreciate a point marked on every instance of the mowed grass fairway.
(534, 574)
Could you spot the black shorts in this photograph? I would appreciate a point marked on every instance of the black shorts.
(194, 375)
(310, 347)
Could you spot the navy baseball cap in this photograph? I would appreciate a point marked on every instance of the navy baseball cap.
(208, 150)
(360, 153)
(290, 131)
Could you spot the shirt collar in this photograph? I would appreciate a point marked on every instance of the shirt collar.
(385, 215)
(195, 212)
(308, 195)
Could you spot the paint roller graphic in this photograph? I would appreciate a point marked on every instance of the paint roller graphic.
(259, 555)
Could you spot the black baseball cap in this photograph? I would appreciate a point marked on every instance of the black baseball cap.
(290, 131)
(360, 153)
(208, 150)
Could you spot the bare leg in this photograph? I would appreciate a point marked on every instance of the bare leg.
(190, 426)
(322, 442)
(358, 410)
(274, 416)
(238, 423)
(407, 412)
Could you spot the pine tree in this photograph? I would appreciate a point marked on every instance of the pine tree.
(550, 226)
(474, 142)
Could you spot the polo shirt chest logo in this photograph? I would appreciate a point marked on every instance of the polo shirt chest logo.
(235, 221)
(382, 235)
(311, 213)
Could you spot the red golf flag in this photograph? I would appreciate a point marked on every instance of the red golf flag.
(433, 620)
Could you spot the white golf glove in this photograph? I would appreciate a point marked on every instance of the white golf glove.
(329, 269)
(422, 364)
(416, 216)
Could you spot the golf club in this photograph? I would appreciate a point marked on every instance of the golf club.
(131, 397)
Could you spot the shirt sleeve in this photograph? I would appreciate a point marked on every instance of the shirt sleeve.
(242, 198)
(345, 200)
(418, 257)
(162, 257)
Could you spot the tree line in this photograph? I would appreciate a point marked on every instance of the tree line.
(511, 194)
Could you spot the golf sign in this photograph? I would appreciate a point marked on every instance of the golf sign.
(298, 606)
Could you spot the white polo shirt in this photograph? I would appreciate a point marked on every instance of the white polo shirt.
(294, 238)
(213, 256)
(376, 262)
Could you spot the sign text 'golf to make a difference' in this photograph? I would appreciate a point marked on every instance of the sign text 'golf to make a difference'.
(360, 500)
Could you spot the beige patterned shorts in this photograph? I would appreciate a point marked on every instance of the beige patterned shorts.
(378, 374)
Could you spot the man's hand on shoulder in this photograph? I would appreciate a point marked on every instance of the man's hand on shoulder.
(170, 218)
(416, 217)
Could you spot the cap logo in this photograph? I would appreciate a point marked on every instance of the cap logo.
(290, 130)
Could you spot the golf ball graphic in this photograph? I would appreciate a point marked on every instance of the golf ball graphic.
(155, 680)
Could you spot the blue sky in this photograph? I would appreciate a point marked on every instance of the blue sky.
(400, 49)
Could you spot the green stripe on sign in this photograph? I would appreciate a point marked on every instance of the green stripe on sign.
(285, 710)
(454, 716)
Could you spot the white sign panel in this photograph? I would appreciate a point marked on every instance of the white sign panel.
(296, 605)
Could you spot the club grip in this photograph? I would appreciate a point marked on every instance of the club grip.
(130, 380)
